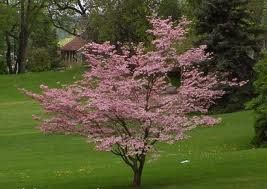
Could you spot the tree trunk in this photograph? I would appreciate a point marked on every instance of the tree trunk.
(136, 163)
(8, 55)
(138, 170)
(23, 38)
(137, 179)
(22, 53)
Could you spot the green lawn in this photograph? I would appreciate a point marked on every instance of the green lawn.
(220, 157)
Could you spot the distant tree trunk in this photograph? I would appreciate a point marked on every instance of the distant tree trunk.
(23, 39)
(21, 58)
(8, 54)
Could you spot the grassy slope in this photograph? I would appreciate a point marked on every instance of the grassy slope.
(221, 157)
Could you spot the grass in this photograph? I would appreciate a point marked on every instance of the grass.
(220, 157)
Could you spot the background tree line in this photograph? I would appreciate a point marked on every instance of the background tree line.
(233, 30)
(28, 33)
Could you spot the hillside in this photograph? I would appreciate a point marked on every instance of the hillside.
(220, 157)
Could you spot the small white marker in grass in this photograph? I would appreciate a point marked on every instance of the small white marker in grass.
(185, 161)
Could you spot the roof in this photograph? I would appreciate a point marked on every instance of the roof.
(63, 42)
(74, 45)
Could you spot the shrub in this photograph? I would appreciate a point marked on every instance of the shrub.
(3, 69)
(39, 60)
(259, 103)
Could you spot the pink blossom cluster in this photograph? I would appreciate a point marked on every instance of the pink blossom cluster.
(121, 103)
(166, 32)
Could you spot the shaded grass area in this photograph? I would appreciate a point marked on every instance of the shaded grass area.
(220, 157)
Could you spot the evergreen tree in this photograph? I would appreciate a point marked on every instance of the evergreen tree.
(230, 33)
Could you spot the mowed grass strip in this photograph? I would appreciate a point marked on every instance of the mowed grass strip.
(220, 157)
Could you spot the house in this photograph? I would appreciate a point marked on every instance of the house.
(70, 51)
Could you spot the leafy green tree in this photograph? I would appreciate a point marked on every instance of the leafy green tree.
(230, 33)
(44, 38)
(170, 8)
(194, 4)
(25, 27)
(189, 7)
(2, 51)
(259, 103)
(119, 20)
(70, 15)
(24, 16)
(8, 22)
(257, 8)
(28, 12)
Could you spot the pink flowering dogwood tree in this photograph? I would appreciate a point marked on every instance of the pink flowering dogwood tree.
(122, 103)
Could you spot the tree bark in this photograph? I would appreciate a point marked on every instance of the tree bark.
(137, 179)
(8, 55)
(138, 170)
(23, 39)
